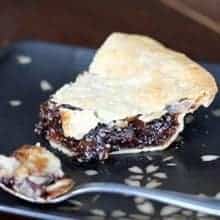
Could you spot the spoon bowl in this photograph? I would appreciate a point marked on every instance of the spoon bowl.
(206, 205)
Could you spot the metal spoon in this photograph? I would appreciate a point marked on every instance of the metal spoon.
(206, 205)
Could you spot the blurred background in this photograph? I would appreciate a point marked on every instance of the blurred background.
(191, 26)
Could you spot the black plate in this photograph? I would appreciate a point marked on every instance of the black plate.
(59, 64)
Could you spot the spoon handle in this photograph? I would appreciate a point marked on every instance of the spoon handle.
(195, 203)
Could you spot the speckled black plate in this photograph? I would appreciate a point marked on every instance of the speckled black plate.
(24, 65)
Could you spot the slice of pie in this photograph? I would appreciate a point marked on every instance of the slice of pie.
(133, 98)
(34, 172)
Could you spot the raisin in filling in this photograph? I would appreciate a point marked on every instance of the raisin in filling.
(100, 141)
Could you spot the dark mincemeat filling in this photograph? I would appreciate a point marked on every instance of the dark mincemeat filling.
(100, 141)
